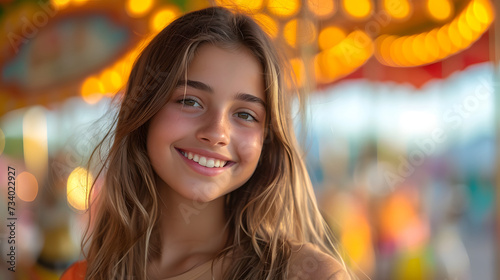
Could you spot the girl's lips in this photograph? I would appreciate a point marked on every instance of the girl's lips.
(206, 171)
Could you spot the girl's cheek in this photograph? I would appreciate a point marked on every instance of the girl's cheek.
(249, 146)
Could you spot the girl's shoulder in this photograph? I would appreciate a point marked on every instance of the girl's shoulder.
(307, 261)
(76, 271)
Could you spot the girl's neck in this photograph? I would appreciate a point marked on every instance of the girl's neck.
(190, 229)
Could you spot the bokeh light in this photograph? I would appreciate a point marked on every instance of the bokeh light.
(440, 9)
(60, 4)
(298, 71)
(78, 188)
(92, 90)
(321, 8)
(27, 186)
(398, 9)
(162, 18)
(251, 6)
(35, 145)
(359, 9)
(267, 23)
(330, 36)
(283, 8)
(299, 32)
(138, 8)
(111, 81)
(440, 42)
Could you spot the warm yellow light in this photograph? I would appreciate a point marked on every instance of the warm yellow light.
(483, 11)
(330, 36)
(252, 6)
(111, 81)
(299, 31)
(465, 30)
(440, 9)
(383, 53)
(35, 143)
(454, 35)
(298, 71)
(60, 4)
(326, 66)
(321, 8)
(354, 50)
(444, 41)
(268, 24)
(163, 18)
(397, 52)
(27, 186)
(356, 237)
(432, 45)
(78, 188)
(138, 8)
(419, 48)
(472, 21)
(398, 9)
(92, 90)
(283, 8)
(358, 8)
(407, 50)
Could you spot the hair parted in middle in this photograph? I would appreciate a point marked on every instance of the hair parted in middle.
(275, 206)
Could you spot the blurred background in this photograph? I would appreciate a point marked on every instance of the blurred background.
(402, 123)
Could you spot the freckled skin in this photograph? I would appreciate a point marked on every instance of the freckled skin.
(214, 121)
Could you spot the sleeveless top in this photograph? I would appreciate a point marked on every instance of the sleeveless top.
(202, 272)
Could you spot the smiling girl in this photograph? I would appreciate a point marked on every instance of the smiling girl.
(204, 178)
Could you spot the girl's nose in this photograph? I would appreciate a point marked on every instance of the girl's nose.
(214, 130)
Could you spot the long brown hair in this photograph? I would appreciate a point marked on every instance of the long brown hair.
(276, 205)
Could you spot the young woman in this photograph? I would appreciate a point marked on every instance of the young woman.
(204, 178)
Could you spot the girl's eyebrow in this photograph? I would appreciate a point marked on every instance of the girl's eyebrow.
(204, 87)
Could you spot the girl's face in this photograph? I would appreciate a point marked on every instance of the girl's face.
(206, 140)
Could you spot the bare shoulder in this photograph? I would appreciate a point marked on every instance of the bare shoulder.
(307, 261)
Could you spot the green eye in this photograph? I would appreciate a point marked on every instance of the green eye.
(246, 116)
(189, 102)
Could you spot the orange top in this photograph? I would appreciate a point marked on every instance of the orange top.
(76, 271)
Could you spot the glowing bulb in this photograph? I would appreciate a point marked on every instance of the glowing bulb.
(398, 9)
(330, 36)
(440, 9)
(91, 90)
(111, 81)
(321, 8)
(78, 188)
(358, 8)
(163, 18)
(60, 4)
(284, 8)
(138, 8)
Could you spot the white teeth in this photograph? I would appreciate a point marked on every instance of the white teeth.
(203, 161)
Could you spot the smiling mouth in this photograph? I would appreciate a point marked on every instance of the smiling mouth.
(205, 161)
